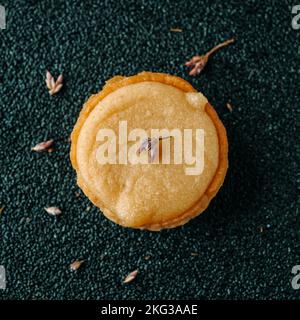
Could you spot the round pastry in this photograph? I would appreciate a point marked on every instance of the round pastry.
(120, 146)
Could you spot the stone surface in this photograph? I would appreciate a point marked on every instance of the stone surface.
(247, 241)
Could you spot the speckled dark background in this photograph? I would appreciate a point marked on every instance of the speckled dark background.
(248, 239)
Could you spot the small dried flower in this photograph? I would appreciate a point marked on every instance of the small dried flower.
(147, 257)
(43, 146)
(197, 63)
(76, 265)
(131, 276)
(151, 145)
(52, 85)
(53, 211)
(176, 30)
(229, 107)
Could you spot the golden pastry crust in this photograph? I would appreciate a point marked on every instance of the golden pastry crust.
(201, 204)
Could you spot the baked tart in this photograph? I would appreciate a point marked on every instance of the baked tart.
(119, 152)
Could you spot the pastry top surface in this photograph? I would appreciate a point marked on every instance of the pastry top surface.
(143, 194)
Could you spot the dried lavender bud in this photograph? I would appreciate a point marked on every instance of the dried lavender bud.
(52, 85)
(54, 211)
(131, 276)
(43, 146)
(76, 265)
(197, 63)
(151, 145)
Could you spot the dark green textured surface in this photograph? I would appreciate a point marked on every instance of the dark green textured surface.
(90, 41)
